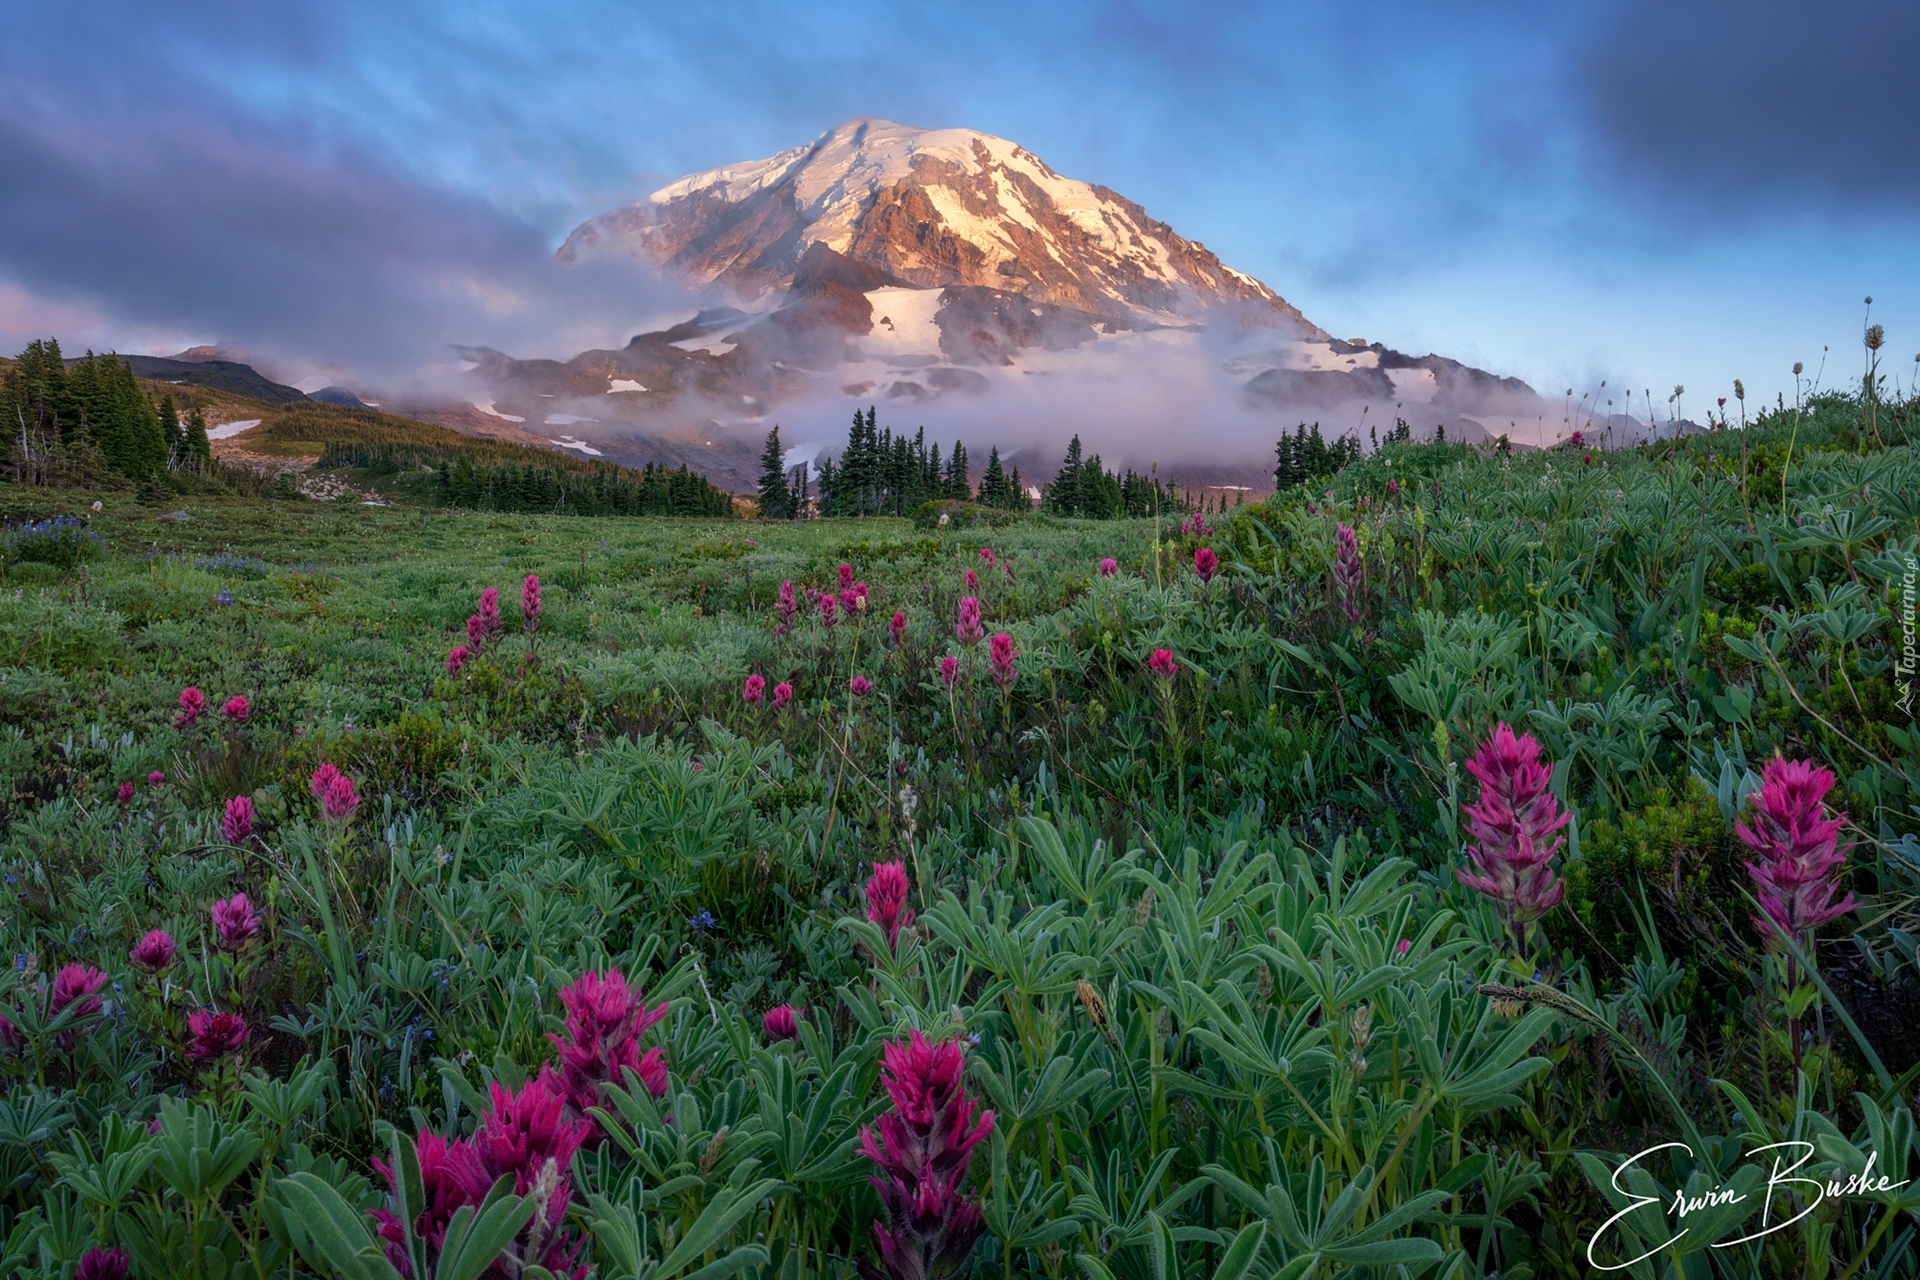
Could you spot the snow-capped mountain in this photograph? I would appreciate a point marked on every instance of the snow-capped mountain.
(932, 208)
(955, 279)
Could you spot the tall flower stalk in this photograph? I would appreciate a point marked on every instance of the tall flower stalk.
(921, 1150)
(1798, 866)
(1515, 832)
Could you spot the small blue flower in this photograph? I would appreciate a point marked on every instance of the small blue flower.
(225, 597)
(703, 922)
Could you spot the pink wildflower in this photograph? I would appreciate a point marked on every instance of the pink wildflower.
(1515, 830)
(897, 626)
(605, 1020)
(986, 553)
(846, 576)
(1403, 946)
(780, 1022)
(126, 794)
(1206, 564)
(826, 609)
(156, 778)
(237, 708)
(1162, 664)
(102, 1264)
(782, 695)
(755, 689)
(236, 925)
(1579, 438)
(154, 952)
(76, 986)
(1002, 654)
(341, 801)
(1393, 488)
(972, 580)
(1347, 571)
(215, 1035)
(1799, 849)
(490, 625)
(1109, 567)
(530, 603)
(192, 703)
(921, 1149)
(860, 686)
(949, 671)
(653, 1071)
(236, 824)
(786, 606)
(321, 780)
(457, 658)
(851, 601)
(968, 629)
(860, 597)
(887, 899)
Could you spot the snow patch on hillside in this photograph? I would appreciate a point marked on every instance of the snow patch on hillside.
(903, 323)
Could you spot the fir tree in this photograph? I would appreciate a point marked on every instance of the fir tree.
(773, 478)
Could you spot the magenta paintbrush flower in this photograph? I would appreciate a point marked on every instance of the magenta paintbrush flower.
(1206, 564)
(155, 778)
(125, 794)
(860, 686)
(192, 703)
(457, 658)
(846, 576)
(986, 553)
(102, 1264)
(1800, 857)
(787, 607)
(921, 1149)
(754, 690)
(827, 609)
(491, 627)
(342, 801)
(236, 925)
(949, 671)
(236, 824)
(1109, 567)
(780, 1022)
(968, 629)
(1162, 664)
(971, 578)
(154, 953)
(1347, 570)
(897, 626)
(530, 603)
(1514, 831)
(782, 695)
(605, 1020)
(215, 1035)
(76, 985)
(1001, 654)
(887, 899)
(237, 709)
(322, 779)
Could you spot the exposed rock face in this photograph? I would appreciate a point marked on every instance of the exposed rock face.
(932, 209)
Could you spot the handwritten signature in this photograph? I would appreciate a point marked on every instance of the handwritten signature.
(1858, 1184)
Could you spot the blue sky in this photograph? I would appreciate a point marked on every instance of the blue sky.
(1648, 192)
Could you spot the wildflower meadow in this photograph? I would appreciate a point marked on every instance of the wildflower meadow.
(1466, 863)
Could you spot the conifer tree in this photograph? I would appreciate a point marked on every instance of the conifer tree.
(198, 448)
(773, 478)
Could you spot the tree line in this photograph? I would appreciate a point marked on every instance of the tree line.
(68, 422)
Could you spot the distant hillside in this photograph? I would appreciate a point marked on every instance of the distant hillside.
(216, 375)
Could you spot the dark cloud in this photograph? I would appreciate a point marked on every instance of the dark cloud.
(1721, 105)
(297, 248)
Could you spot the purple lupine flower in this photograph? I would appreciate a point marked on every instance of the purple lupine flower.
(1800, 857)
(1514, 830)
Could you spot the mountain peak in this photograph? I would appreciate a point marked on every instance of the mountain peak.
(932, 208)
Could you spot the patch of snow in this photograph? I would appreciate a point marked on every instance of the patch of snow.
(565, 419)
(803, 454)
(311, 384)
(624, 384)
(227, 430)
(1415, 385)
(714, 344)
(903, 322)
(568, 442)
(487, 408)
